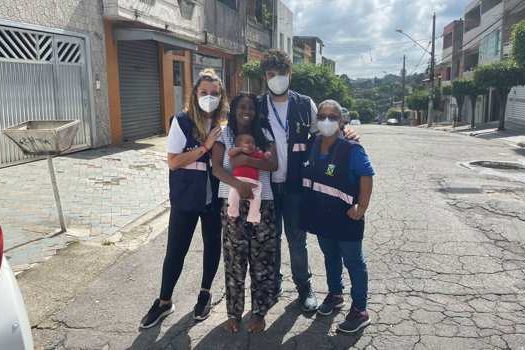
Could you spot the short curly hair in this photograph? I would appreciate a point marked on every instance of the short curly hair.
(276, 60)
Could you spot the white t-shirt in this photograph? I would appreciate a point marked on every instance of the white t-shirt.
(281, 142)
(176, 144)
(228, 141)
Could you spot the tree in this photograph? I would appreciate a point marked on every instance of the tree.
(394, 113)
(252, 70)
(446, 90)
(418, 102)
(320, 84)
(502, 76)
(366, 109)
(353, 115)
(466, 88)
(518, 43)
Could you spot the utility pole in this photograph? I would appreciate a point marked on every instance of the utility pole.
(432, 73)
(403, 74)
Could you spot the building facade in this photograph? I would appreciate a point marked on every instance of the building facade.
(308, 49)
(329, 63)
(485, 39)
(149, 48)
(124, 67)
(283, 33)
(53, 67)
(259, 38)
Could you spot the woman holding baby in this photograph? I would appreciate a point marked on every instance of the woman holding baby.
(243, 159)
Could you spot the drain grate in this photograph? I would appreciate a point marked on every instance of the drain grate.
(498, 165)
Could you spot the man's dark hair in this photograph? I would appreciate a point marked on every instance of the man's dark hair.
(276, 60)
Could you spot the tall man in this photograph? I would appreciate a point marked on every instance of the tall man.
(292, 118)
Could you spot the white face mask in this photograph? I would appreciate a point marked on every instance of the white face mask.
(328, 127)
(279, 84)
(209, 103)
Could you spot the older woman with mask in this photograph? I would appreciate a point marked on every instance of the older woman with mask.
(337, 183)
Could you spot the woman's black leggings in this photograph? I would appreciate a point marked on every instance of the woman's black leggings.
(180, 233)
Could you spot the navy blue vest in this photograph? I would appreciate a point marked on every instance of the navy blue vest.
(299, 120)
(188, 185)
(328, 193)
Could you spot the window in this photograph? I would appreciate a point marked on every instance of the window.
(490, 47)
(281, 41)
(447, 41)
(230, 3)
(289, 46)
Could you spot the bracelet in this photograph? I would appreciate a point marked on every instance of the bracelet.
(205, 148)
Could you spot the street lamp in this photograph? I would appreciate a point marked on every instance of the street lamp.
(400, 31)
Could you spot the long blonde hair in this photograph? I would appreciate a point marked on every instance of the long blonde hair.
(196, 114)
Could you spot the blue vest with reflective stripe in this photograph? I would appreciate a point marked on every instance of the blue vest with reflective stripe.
(188, 186)
(328, 193)
(299, 120)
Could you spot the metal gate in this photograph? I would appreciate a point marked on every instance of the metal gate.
(139, 89)
(516, 106)
(43, 76)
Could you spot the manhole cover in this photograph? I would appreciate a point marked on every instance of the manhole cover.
(498, 165)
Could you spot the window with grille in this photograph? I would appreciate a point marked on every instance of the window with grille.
(24, 45)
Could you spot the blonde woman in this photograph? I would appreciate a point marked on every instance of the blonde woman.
(193, 194)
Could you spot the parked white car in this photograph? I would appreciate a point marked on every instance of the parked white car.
(355, 122)
(15, 330)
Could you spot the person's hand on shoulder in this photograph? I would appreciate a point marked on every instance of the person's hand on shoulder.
(351, 134)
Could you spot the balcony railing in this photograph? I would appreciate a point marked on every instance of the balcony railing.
(182, 17)
(258, 35)
(225, 26)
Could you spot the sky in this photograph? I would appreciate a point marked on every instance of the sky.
(360, 35)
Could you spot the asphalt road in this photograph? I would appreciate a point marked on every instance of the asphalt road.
(445, 247)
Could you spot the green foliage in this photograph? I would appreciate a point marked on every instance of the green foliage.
(462, 88)
(320, 84)
(267, 16)
(446, 90)
(396, 113)
(252, 69)
(518, 43)
(418, 101)
(502, 76)
(353, 115)
(366, 109)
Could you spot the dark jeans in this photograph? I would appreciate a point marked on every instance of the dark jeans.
(180, 233)
(351, 254)
(287, 209)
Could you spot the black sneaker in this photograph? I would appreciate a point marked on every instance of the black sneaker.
(307, 299)
(155, 314)
(331, 303)
(355, 320)
(202, 309)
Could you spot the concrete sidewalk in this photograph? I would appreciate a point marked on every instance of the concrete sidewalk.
(102, 190)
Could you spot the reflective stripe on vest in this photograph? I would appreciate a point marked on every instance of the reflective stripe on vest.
(328, 190)
(299, 147)
(200, 166)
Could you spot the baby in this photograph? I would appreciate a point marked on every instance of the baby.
(245, 143)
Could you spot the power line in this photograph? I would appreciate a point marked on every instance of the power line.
(421, 59)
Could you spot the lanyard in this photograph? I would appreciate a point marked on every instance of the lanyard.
(278, 117)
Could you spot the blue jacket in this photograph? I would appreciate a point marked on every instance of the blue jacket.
(328, 193)
(299, 121)
(188, 185)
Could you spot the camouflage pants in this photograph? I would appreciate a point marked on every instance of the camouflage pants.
(243, 244)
